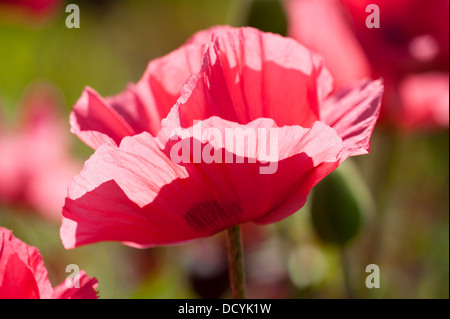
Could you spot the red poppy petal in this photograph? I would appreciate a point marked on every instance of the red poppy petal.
(267, 179)
(137, 195)
(248, 74)
(352, 112)
(95, 122)
(107, 201)
(22, 271)
(146, 103)
(141, 106)
(18, 280)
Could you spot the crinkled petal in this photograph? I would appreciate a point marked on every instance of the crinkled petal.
(137, 194)
(95, 122)
(353, 112)
(107, 201)
(141, 106)
(22, 271)
(248, 74)
(265, 170)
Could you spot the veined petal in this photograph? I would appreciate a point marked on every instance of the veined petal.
(127, 179)
(353, 112)
(267, 170)
(22, 271)
(188, 182)
(248, 74)
(141, 106)
(95, 122)
(136, 193)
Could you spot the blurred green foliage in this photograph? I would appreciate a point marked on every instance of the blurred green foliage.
(268, 16)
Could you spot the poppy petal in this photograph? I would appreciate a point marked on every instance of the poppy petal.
(353, 112)
(145, 199)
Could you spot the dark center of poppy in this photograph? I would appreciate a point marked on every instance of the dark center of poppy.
(211, 217)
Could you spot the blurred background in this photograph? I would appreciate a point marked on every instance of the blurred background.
(388, 208)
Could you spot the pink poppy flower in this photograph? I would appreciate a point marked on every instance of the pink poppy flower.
(145, 193)
(413, 35)
(35, 164)
(23, 274)
(413, 38)
(142, 106)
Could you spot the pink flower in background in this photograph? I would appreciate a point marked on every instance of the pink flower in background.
(249, 81)
(425, 100)
(23, 274)
(413, 35)
(323, 27)
(32, 8)
(142, 106)
(412, 42)
(35, 162)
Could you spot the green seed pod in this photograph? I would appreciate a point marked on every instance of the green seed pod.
(340, 205)
(267, 15)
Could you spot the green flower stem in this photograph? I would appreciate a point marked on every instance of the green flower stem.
(346, 271)
(383, 190)
(236, 262)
